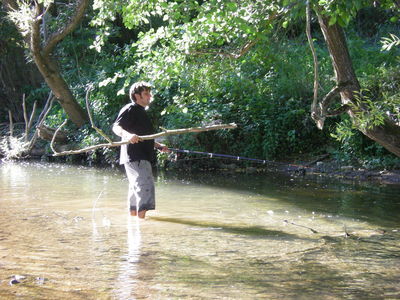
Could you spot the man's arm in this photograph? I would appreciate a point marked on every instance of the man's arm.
(125, 135)
(133, 138)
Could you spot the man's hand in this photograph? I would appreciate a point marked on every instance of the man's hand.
(125, 135)
(134, 138)
(162, 147)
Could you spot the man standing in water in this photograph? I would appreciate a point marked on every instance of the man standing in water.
(132, 122)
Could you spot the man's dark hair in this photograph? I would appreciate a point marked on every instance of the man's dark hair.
(138, 88)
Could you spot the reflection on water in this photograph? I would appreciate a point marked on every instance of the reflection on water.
(67, 231)
(128, 278)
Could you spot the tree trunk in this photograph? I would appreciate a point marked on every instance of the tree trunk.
(388, 134)
(48, 67)
(42, 49)
(62, 92)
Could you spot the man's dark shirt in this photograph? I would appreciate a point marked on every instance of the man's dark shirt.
(133, 118)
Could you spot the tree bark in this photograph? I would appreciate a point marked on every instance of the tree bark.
(62, 92)
(388, 134)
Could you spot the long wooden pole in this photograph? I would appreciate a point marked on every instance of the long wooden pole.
(145, 137)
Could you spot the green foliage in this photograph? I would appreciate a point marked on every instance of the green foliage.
(343, 11)
(356, 149)
(382, 100)
(389, 42)
(184, 49)
(194, 52)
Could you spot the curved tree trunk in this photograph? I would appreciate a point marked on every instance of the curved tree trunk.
(388, 134)
(42, 48)
(62, 92)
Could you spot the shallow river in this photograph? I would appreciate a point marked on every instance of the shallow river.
(65, 231)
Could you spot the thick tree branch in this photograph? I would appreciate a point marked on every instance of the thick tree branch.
(341, 110)
(35, 39)
(56, 37)
(319, 111)
(145, 137)
(314, 54)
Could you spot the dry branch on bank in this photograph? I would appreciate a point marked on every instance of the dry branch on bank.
(21, 146)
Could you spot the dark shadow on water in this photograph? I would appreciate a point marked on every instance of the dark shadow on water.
(254, 231)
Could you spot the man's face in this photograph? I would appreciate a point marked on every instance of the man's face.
(144, 98)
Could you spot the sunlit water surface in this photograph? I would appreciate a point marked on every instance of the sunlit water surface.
(66, 230)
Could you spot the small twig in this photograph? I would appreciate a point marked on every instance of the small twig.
(41, 16)
(312, 230)
(346, 234)
(55, 134)
(41, 119)
(11, 123)
(25, 117)
(32, 115)
(98, 130)
(49, 102)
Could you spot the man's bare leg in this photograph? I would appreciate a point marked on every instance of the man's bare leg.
(142, 214)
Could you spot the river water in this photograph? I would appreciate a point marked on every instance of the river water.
(65, 230)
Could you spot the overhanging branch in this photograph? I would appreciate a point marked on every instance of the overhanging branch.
(319, 112)
(58, 36)
(314, 54)
(98, 130)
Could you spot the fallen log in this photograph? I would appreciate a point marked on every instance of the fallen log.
(47, 133)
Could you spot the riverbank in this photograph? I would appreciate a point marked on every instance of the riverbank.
(331, 169)
(320, 168)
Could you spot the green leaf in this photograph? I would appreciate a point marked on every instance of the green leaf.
(332, 20)
(232, 6)
(341, 22)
